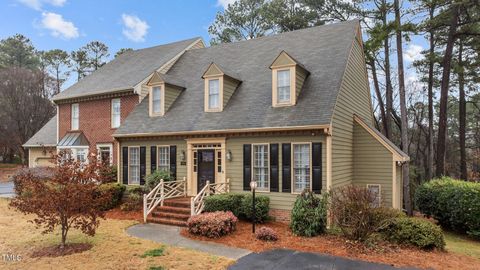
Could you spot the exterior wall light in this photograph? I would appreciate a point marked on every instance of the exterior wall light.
(229, 155)
(182, 155)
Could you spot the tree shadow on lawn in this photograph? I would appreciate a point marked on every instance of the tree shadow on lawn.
(58, 250)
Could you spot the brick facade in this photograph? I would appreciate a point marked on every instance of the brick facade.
(95, 119)
(279, 215)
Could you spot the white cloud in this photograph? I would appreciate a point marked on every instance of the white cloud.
(224, 3)
(58, 26)
(135, 29)
(413, 53)
(37, 4)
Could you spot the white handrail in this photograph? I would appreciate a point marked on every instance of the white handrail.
(197, 203)
(164, 190)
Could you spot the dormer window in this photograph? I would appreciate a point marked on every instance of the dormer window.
(288, 76)
(163, 91)
(219, 87)
(156, 97)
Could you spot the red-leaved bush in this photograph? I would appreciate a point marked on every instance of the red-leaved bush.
(266, 234)
(213, 224)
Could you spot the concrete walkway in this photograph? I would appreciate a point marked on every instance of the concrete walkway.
(6, 190)
(170, 235)
(284, 259)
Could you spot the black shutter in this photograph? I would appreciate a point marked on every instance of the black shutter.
(125, 165)
(173, 161)
(274, 167)
(247, 166)
(317, 167)
(143, 164)
(286, 167)
(153, 159)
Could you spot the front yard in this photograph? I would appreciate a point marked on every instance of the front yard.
(112, 248)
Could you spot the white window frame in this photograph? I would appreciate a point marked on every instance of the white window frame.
(130, 165)
(379, 195)
(75, 120)
(293, 166)
(167, 166)
(109, 145)
(261, 189)
(288, 91)
(211, 94)
(74, 150)
(219, 108)
(116, 117)
(162, 100)
(293, 95)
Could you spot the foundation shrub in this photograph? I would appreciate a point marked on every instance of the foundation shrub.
(212, 224)
(266, 234)
(115, 191)
(309, 214)
(262, 206)
(414, 231)
(224, 202)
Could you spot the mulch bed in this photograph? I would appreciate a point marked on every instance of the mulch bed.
(117, 213)
(57, 251)
(338, 246)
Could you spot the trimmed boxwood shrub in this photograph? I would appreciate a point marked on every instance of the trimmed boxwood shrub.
(152, 180)
(309, 215)
(116, 190)
(224, 202)
(266, 234)
(454, 203)
(415, 231)
(213, 224)
(262, 204)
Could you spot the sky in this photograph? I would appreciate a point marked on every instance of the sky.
(70, 24)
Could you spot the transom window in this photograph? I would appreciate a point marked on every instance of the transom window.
(75, 116)
(214, 94)
(301, 167)
(283, 86)
(261, 166)
(157, 100)
(134, 165)
(163, 158)
(115, 113)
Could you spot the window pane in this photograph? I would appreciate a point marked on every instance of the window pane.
(134, 166)
(75, 116)
(375, 191)
(213, 94)
(283, 86)
(81, 155)
(115, 113)
(163, 158)
(301, 167)
(156, 99)
(260, 166)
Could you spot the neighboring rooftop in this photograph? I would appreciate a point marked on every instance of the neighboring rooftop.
(46, 136)
(323, 51)
(125, 71)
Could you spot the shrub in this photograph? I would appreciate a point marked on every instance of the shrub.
(454, 203)
(152, 180)
(266, 234)
(108, 174)
(354, 211)
(132, 202)
(213, 224)
(224, 202)
(261, 207)
(139, 190)
(115, 190)
(414, 231)
(309, 214)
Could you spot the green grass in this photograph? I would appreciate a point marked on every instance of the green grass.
(154, 252)
(462, 244)
(157, 268)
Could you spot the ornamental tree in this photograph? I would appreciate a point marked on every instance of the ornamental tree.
(68, 199)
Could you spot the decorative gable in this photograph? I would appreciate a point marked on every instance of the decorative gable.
(163, 92)
(219, 88)
(288, 77)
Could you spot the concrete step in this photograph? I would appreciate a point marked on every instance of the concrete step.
(169, 215)
(167, 221)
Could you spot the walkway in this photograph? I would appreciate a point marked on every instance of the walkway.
(6, 190)
(170, 235)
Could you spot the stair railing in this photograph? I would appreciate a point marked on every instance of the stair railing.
(164, 190)
(197, 203)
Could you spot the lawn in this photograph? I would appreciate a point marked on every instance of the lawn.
(462, 244)
(112, 248)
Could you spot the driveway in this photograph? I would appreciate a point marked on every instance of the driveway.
(6, 190)
(283, 259)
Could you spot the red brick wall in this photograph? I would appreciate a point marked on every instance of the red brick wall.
(95, 119)
(280, 215)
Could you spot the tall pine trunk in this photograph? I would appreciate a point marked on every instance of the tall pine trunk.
(378, 94)
(462, 115)
(431, 155)
(442, 118)
(388, 89)
(403, 110)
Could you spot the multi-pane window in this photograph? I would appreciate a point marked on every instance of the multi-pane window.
(156, 100)
(283, 86)
(104, 153)
(375, 191)
(163, 158)
(81, 155)
(75, 116)
(115, 113)
(219, 161)
(260, 166)
(301, 167)
(134, 165)
(214, 94)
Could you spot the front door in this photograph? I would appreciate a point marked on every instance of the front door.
(206, 168)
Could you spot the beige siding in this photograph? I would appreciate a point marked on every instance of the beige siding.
(229, 86)
(399, 183)
(171, 94)
(40, 157)
(213, 70)
(234, 168)
(282, 60)
(300, 76)
(373, 163)
(198, 45)
(354, 98)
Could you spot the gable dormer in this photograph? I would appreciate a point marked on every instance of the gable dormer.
(163, 91)
(219, 88)
(288, 76)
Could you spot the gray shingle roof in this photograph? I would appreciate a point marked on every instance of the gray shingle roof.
(125, 71)
(46, 136)
(322, 50)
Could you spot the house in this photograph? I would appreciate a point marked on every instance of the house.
(291, 112)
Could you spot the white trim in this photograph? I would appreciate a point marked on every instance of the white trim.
(113, 100)
(128, 166)
(268, 165)
(292, 164)
(110, 145)
(58, 128)
(77, 106)
(162, 99)
(158, 156)
(207, 80)
(293, 94)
